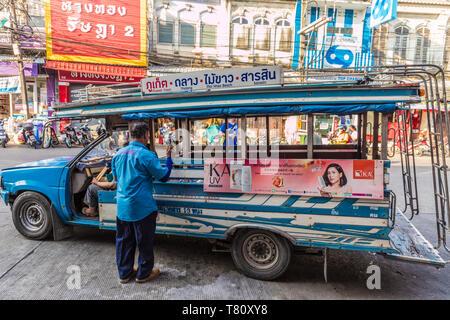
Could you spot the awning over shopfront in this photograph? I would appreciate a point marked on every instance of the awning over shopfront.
(97, 68)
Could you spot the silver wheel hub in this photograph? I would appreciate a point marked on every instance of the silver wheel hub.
(32, 217)
(260, 251)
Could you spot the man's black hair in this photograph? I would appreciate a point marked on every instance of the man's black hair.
(138, 129)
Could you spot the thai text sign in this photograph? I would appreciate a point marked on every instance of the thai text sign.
(382, 11)
(213, 80)
(97, 31)
(320, 178)
(86, 77)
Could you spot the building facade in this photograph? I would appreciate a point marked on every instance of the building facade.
(31, 29)
(419, 35)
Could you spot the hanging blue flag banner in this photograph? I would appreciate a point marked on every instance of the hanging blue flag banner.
(382, 11)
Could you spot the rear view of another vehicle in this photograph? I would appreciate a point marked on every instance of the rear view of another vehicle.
(4, 139)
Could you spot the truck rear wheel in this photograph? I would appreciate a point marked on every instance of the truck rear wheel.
(260, 254)
(31, 214)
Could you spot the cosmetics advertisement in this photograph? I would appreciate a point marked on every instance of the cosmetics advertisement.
(321, 178)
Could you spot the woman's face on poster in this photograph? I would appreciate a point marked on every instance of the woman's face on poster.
(334, 175)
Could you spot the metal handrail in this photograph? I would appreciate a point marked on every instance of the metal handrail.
(291, 77)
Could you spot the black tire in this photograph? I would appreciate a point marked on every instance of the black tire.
(4, 144)
(272, 251)
(418, 152)
(31, 214)
(68, 142)
(47, 143)
(391, 152)
(85, 142)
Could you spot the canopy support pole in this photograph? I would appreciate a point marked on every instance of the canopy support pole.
(363, 136)
(376, 120)
(310, 136)
(243, 136)
(384, 136)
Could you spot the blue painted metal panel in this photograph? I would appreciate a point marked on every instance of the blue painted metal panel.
(348, 19)
(331, 14)
(367, 34)
(298, 24)
(382, 11)
(342, 109)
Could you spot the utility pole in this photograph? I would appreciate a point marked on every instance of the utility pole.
(18, 53)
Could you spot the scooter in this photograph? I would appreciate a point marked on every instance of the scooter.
(70, 136)
(86, 136)
(29, 136)
(4, 139)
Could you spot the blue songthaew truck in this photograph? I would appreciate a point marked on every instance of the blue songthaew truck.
(268, 187)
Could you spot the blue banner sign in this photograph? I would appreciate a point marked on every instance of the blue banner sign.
(10, 85)
(214, 79)
(382, 11)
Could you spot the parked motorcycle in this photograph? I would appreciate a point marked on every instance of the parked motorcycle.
(86, 136)
(419, 146)
(70, 136)
(50, 139)
(4, 139)
(29, 136)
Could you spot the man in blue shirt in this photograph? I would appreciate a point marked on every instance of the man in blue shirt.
(134, 168)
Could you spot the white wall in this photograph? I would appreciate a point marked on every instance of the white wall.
(414, 16)
(212, 12)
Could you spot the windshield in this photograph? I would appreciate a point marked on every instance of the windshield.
(108, 147)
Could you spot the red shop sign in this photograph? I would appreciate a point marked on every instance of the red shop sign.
(97, 31)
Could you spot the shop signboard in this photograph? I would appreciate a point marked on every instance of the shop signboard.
(314, 178)
(10, 85)
(213, 80)
(11, 68)
(85, 77)
(100, 31)
(382, 11)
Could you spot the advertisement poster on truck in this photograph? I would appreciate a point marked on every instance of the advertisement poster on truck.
(317, 178)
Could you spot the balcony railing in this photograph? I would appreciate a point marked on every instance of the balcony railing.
(316, 59)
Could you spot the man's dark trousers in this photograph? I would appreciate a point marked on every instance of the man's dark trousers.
(129, 235)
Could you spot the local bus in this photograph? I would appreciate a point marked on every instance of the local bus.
(257, 169)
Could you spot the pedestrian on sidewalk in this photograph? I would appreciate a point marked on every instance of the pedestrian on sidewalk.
(134, 168)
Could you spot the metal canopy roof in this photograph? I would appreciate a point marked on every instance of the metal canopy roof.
(343, 98)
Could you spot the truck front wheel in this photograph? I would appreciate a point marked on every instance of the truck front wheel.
(31, 214)
(261, 254)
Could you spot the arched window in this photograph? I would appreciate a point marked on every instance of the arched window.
(187, 27)
(262, 34)
(422, 45)
(208, 29)
(447, 50)
(165, 27)
(241, 33)
(283, 35)
(401, 42)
